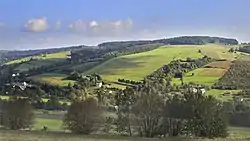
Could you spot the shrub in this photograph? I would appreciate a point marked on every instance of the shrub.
(83, 116)
(17, 114)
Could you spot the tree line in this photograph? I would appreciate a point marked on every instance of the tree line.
(191, 40)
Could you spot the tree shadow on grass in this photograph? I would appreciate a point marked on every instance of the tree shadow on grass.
(25, 66)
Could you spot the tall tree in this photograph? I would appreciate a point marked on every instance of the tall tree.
(148, 113)
(83, 116)
(206, 116)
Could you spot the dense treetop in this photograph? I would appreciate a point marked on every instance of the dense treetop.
(188, 40)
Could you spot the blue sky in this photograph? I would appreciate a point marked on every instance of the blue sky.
(30, 24)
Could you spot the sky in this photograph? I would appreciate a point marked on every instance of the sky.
(34, 24)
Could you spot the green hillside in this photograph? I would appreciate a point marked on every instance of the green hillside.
(53, 79)
(137, 66)
(37, 61)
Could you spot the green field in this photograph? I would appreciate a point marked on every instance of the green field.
(39, 61)
(206, 76)
(58, 55)
(218, 51)
(53, 79)
(137, 66)
(52, 124)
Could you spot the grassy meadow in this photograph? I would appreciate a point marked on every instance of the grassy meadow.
(52, 124)
(58, 55)
(218, 51)
(236, 134)
(53, 79)
(206, 76)
(49, 59)
(137, 66)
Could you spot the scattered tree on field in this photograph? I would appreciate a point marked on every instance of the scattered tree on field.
(83, 116)
(17, 114)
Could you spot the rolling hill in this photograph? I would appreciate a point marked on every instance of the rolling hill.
(137, 66)
(38, 61)
(134, 66)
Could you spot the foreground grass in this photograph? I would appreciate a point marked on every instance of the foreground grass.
(239, 132)
(54, 136)
(53, 79)
(52, 124)
(236, 134)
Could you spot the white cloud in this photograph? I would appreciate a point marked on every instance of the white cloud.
(93, 24)
(37, 25)
(102, 28)
(58, 25)
(95, 32)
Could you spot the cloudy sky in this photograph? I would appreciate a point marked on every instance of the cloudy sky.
(32, 24)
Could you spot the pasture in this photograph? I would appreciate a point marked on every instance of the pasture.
(206, 76)
(218, 51)
(37, 61)
(219, 94)
(53, 79)
(137, 66)
(52, 124)
(219, 64)
(58, 55)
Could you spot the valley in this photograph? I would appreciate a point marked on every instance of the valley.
(57, 79)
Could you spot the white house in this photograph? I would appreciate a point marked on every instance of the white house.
(195, 90)
(99, 84)
(203, 91)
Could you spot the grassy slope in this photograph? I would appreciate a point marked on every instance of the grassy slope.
(137, 66)
(40, 61)
(209, 76)
(53, 79)
(206, 76)
(58, 55)
(218, 51)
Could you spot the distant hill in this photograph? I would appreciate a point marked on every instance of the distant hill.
(182, 40)
(17, 54)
